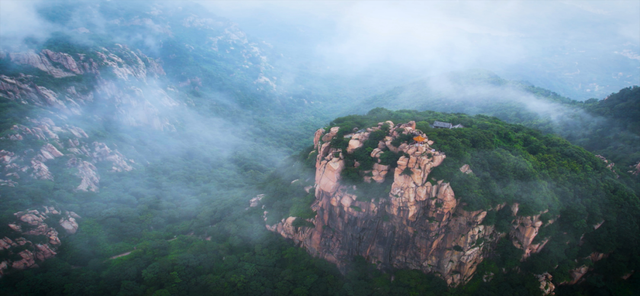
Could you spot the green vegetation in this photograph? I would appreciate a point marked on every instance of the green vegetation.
(300, 222)
(615, 133)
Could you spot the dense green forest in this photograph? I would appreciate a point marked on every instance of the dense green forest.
(615, 130)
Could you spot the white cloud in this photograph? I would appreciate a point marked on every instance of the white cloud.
(19, 19)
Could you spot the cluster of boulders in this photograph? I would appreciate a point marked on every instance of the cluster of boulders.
(635, 169)
(610, 164)
(80, 155)
(32, 223)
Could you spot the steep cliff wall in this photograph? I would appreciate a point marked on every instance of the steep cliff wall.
(421, 225)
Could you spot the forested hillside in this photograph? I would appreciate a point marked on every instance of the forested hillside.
(617, 136)
(607, 127)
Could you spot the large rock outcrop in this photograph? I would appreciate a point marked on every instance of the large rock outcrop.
(421, 225)
(21, 253)
(524, 230)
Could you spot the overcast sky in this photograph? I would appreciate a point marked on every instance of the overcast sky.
(543, 42)
(581, 48)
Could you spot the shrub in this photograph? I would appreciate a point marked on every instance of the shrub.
(299, 222)
(407, 171)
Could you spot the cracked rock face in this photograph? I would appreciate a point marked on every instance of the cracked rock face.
(421, 225)
(34, 223)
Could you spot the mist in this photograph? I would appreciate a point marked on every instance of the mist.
(579, 49)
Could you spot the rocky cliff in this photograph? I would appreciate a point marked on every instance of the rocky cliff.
(35, 237)
(420, 225)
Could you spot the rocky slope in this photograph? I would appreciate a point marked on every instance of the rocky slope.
(65, 142)
(117, 77)
(421, 225)
(35, 237)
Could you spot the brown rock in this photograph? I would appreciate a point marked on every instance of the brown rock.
(3, 266)
(379, 172)
(40, 170)
(577, 274)
(4, 244)
(66, 60)
(328, 175)
(256, 200)
(465, 169)
(37, 227)
(103, 153)
(636, 169)
(332, 132)
(69, 224)
(28, 260)
(595, 256)
(38, 61)
(44, 252)
(357, 140)
(49, 151)
(30, 218)
(316, 137)
(90, 178)
(546, 285)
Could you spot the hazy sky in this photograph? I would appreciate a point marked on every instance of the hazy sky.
(547, 41)
(578, 48)
(379, 29)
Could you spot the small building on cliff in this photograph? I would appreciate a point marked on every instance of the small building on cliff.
(440, 124)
